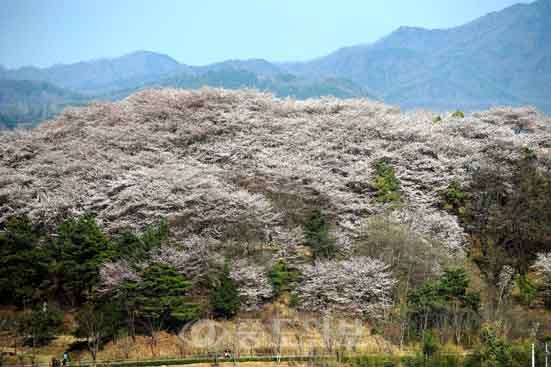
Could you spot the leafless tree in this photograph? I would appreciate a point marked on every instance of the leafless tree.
(92, 325)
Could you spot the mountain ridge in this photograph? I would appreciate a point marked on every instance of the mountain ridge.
(501, 58)
(413, 54)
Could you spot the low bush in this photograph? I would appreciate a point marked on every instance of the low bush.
(386, 184)
(454, 198)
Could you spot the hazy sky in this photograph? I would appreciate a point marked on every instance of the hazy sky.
(45, 32)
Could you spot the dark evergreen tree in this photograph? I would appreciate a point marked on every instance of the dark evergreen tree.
(76, 254)
(23, 264)
(41, 326)
(160, 300)
(445, 303)
(283, 277)
(224, 296)
(316, 234)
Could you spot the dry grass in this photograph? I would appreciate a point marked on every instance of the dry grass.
(170, 345)
(250, 364)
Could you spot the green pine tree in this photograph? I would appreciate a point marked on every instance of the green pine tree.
(224, 296)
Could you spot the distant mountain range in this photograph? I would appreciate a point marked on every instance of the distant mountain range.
(503, 58)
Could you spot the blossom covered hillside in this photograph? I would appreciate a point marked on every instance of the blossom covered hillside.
(209, 160)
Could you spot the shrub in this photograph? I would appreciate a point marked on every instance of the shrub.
(316, 233)
(386, 184)
(454, 198)
(528, 153)
(23, 267)
(458, 114)
(224, 295)
(527, 289)
(509, 211)
(430, 344)
(40, 326)
(437, 120)
(411, 256)
(283, 277)
(493, 351)
(447, 298)
(77, 252)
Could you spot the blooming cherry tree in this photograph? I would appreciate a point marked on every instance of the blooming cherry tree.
(361, 286)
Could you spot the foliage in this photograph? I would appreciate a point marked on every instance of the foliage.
(190, 184)
(67, 263)
(527, 288)
(316, 235)
(500, 216)
(130, 245)
(453, 286)
(155, 235)
(493, 351)
(445, 303)
(224, 295)
(23, 266)
(437, 119)
(430, 344)
(412, 257)
(41, 326)
(198, 259)
(387, 184)
(458, 114)
(283, 277)
(454, 198)
(161, 295)
(76, 254)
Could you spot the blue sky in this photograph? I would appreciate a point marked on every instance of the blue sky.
(46, 32)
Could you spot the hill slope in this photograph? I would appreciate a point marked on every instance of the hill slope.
(210, 159)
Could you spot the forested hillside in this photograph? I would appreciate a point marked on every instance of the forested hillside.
(30, 102)
(25, 102)
(135, 217)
